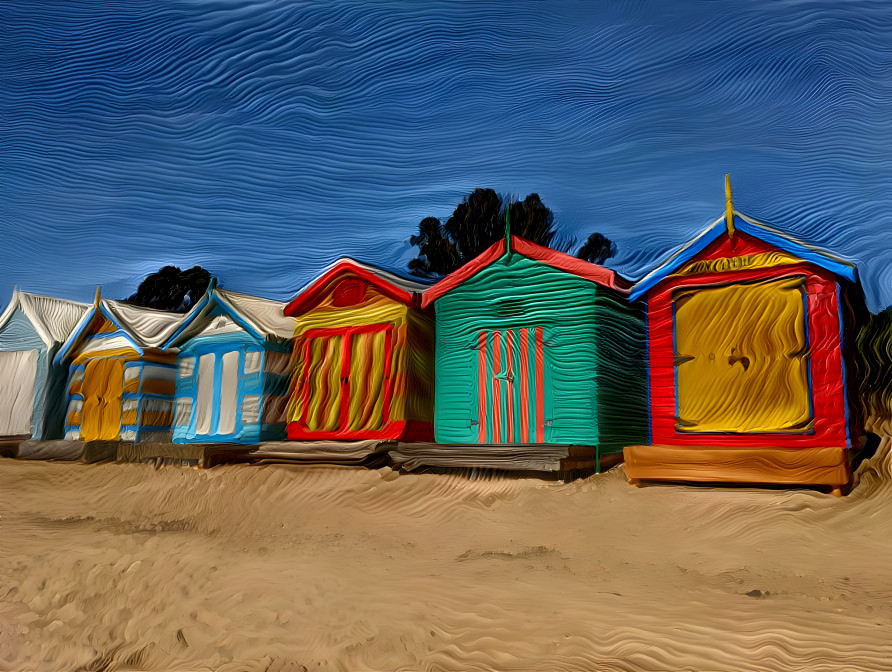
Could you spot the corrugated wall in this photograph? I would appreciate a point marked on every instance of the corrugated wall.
(622, 371)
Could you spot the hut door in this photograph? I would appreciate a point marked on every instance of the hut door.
(511, 386)
(345, 387)
(103, 389)
(742, 358)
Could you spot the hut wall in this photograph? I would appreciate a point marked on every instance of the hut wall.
(546, 317)
(228, 389)
(23, 378)
(823, 356)
(621, 370)
(326, 403)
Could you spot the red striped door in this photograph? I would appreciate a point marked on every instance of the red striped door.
(511, 386)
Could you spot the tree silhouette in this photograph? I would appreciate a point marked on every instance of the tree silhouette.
(478, 222)
(597, 249)
(172, 289)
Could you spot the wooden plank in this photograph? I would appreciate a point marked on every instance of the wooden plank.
(765, 465)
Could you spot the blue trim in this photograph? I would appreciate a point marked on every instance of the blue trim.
(221, 303)
(842, 358)
(146, 428)
(766, 235)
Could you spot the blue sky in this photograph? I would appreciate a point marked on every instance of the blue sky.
(263, 140)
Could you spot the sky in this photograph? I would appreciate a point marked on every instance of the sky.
(263, 140)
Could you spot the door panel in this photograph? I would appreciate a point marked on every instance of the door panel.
(102, 390)
(322, 412)
(204, 411)
(369, 357)
(228, 392)
(511, 385)
(742, 358)
(18, 370)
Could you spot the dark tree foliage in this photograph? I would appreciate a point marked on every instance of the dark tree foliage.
(597, 249)
(875, 350)
(478, 222)
(172, 289)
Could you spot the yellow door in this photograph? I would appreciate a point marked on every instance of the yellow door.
(103, 388)
(741, 358)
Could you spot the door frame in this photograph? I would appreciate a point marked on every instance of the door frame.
(297, 429)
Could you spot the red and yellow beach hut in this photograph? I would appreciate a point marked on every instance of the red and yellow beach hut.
(750, 338)
(363, 358)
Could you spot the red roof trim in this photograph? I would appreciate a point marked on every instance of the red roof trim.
(457, 277)
(565, 262)
(305, 301)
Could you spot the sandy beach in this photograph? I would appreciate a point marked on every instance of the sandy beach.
(127, 567)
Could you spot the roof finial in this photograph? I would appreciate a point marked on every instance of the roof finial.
(508, 228)
(729, 207)
(96, 300)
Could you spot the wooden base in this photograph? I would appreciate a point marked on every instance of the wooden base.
(775, 466)
(504, 457)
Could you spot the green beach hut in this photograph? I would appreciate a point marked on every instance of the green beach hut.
(534, 346)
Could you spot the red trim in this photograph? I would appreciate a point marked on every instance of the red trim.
(496, 388)
(509, 385)
(481, 389)
(457, 277)
(393, 430)
(310, 296)
(540, 386)
(524, 386)
(565, 262)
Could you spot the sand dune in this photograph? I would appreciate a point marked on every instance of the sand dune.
(125, 567)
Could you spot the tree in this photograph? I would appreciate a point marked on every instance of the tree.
(172, 289)
(478, 222)
(597, 249)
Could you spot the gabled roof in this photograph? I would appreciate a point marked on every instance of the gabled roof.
(144, 327)
(565, 262)
(753, 228)
(53, 318)
(262, 318)
(390, 284)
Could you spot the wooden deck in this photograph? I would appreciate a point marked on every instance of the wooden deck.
(830, 467)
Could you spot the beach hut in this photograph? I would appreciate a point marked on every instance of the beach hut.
(363, 356)
(121, 380)
(233, 375)
(751, 351)
(534, 346)
(32, 396)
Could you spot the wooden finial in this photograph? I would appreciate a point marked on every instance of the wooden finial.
(96, 300)
(729, 207)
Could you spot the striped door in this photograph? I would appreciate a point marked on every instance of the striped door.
(345, 389)
(511, 386)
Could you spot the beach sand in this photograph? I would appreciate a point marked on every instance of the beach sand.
(127, 567)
